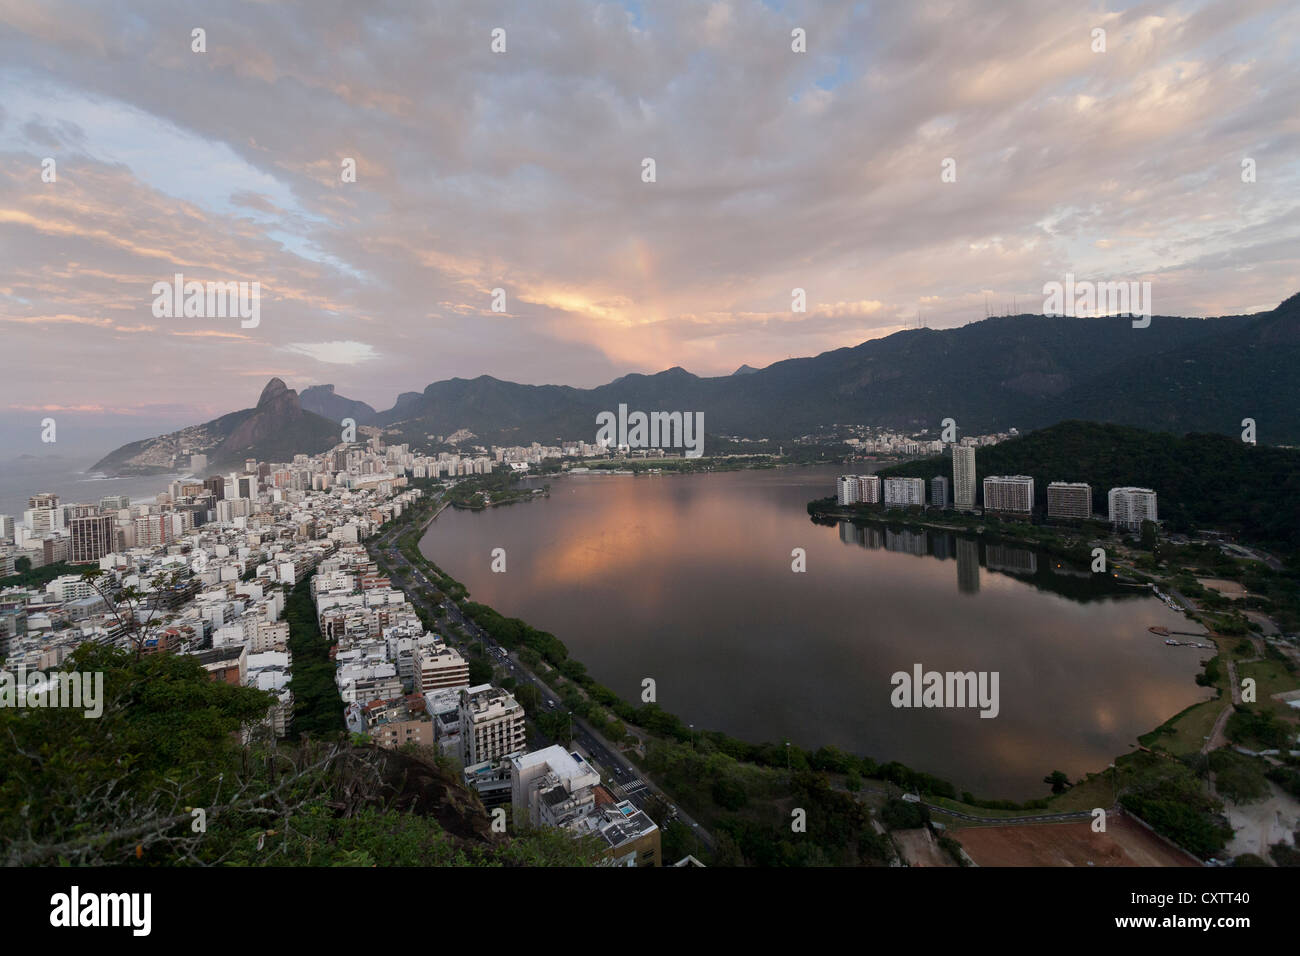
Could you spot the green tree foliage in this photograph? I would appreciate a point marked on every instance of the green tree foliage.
(1058, 781)
(25, 576)
(1257, 729)
(899, 814)
(122, 788)
(317, 706)
(1171, 798)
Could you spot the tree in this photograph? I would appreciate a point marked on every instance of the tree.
(1148, 536)
(135, 629)
(529, 698)
(22, 565)
(1058, 781)
(480, 671)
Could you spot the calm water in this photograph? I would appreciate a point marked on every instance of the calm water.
(70, 480)
(687, 579)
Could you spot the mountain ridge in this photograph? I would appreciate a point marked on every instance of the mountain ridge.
(1026, 371)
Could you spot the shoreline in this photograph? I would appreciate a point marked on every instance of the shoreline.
(1025, 801)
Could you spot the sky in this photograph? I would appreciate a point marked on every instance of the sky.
(523, 171)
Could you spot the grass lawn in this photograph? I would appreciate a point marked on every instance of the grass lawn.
(1096, 791)
(1271, 678)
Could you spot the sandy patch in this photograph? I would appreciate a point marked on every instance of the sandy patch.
(1229, 589)
(1259, 825)
(1124, 843)
(920, 848)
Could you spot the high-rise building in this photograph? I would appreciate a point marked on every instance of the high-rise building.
(846, 490)
(904, 492)
(939, 491)
(152, 531)
(217, 485)
(492, 724)
(1009, 493)
(963, 477)
(247, 487)
(1129, 507)
(92, 538)
(198, 465)
(439, 666)
(114, 503)
(1069, 499)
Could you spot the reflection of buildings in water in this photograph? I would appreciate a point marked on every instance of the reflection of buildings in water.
(864, 536)
(998, 557)
(968, 566)
(1068, 572)
(907, 542)
(943, 546)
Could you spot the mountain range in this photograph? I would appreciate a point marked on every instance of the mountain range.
(1027, 371)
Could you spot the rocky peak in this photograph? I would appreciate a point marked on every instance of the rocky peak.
(273, 391)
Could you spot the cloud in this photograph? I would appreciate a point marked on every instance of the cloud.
(335, 353)
(522, 171)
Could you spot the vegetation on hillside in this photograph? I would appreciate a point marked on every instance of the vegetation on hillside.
(163, 777)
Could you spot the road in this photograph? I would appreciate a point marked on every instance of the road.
(619, 775)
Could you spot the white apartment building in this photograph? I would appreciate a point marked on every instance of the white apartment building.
(551, 787)
(1129, 507)
(963, 477)
(904, 492)
(846, 490)
(1009, 493)
(492, 724)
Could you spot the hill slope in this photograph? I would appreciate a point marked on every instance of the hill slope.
(275, 430)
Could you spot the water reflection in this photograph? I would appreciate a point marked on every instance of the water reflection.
(1041, 570)
(688, 580)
